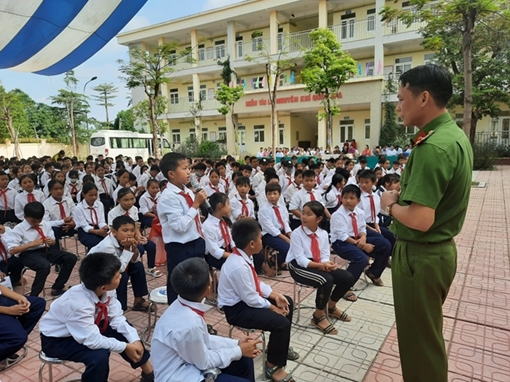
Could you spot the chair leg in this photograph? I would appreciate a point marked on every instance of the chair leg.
(41, 368)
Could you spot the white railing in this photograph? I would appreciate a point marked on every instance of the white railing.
(354, 30)
(252, 48)
(398, 26)
(294, 42)
(183, 105)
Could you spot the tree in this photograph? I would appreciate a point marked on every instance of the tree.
(106, 92)
(470, 38)
(391, 134)
(12, 115)
(326, 68)
(228, 96)
(125, 120)
(151, 71)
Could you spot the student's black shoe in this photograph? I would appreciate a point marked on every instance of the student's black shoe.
(57, 292)
(147, 377)
(57, 268)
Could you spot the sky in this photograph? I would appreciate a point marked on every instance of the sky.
(104, 63)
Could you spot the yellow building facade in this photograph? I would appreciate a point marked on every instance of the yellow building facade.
(245, 32)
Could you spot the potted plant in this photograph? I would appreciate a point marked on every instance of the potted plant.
(256, 33)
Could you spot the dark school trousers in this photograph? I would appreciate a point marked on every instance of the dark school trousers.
(150, 248)
(40, 260)
(135, 272)
(107, 202)
(60, 233)
(214, 262)
(145, 221)
(277, 244)
(177, 253)
(387, 234)
(8, 216)
(238, 371)
(263, 319)
(89, 240)
(324, 282)
(422, 275)
(12, 268)
(96, 361)
(14, 330)
(294, 223)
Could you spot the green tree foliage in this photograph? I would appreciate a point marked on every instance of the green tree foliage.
(125, 120)
(12, 116)
(470, 38)
(150, 71)
(391, 134)
(228, 97)
(105, 93)
(326, 68)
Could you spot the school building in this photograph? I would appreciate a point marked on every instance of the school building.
(253, 28)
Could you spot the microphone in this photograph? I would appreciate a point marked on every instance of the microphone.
(197, 188)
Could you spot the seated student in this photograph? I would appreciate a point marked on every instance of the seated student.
(220, 166)
(148, 175)
(122, 242)
(105, 188)
(286, 176)
(309, 264)
(181, 346)
(294, 187)
(395, 169)
(28, 195)
(9, 265)
(126, 207)
(199, 174)
(123, 182)
(250, 303)
(149, 202)
(389, 182)
(16, 174)
(240, 205)
(350, 242)
(33, 241)
(86, 323)
(216, 228)
(46, 175)
(274, 221)
(333, 195)
(214, 184)
(260, 192)
(18, 317)
(7, 196)
(89, 218)
(59, 211)
(60, 176)
(73, 183)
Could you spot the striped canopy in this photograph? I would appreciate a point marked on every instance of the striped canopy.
(53, 36)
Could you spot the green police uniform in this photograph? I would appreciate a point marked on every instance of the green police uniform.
(438, 175)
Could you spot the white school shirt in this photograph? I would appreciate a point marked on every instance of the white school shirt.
(2, 239)
(83, 216)
(301, 246)
(119, 211)
(21, 201)
(285, 181)
(144, 179)
(269, 222)
(237, 284)
(236, 207)
(302, 197)
(11, 195)
(182, 348)
(258, 178)
(46, 190)
(45, 177)
(148, 203)
(24, 233)
(209, 190)
(260, 194)
(341, 224)
(74, 186)
(398, 171)
(14, 185)
(110, 185)
(136, 171)
(214, 243)
(226, 182)
(110, 245)
(291, 190)
(52, 210)
(176, 217)
(365, 205)
(331, 198)
(73, 315)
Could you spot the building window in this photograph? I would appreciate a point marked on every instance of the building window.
(403, 64)
(371, 20)
(258, 82)
(257, 44)
(209, 53)
(173, 58)
(203, 92)
(367, 129)
(192, 134)
(222, 134)
(242, 134)
(258, 133)
(205, 135)
(176, 136)
(191, 96)
(370, 68)
(346, 130)
(280, 39)
(239, 46)
(280, 134)
(220, 48)
(201, 52)
(174, 96)
(430, 59)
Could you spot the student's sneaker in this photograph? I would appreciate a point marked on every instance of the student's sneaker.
(153, 272)
(147, 377)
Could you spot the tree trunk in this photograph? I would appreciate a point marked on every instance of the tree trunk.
(467, 47)
(329, 131)
(14, 137)
(234, 119)
(274, 129)
(472, 129)
(106, 111)
(155, 128)
(71, 125)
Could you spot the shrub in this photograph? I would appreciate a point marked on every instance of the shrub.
(484, 156)
(210, 150)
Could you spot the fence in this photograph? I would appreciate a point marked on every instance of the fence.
(41, 149)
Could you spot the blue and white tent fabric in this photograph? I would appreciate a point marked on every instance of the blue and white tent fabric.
(53, 36)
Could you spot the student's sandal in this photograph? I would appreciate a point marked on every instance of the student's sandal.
(153, 272)
(330, 329)
(270, 372)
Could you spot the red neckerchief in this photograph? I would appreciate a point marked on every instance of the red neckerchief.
(217, 189)
(3, 193)
(62, 210)
(354, 225)
(316, 251)
(102, 315)
(253, 272)
(189, 201)
(93, 214)
(373, 213)
(105, 189)
(199, 312)
(31, 198)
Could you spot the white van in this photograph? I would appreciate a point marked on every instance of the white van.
(128, 143)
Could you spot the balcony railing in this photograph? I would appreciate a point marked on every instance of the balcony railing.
(497, 137)
(351, 30)
(398, 26)
(183, 105)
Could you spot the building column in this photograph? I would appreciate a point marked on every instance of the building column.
(273, 32)
(194, 47)
(375, 121)
(231, 40)
(378, 41)
(323, 13)
(321, 134)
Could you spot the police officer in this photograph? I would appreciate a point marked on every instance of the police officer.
(427, 214)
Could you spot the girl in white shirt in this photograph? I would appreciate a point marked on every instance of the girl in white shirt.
(28, 195)
(214, 184)
(148, 203)
(89, 217)
(310, 264)
(333, 195)
(60, 176)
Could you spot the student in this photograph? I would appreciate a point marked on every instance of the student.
(269, 177)
(349, 239)
(233, 191)
(294, 187)
(218, 239)
(389, 182)
(7, 196)
(122, 242)
(149, 202)
(89, 218)
(74, 184)
(240, 205)
(123, 182)
(286, 177)
(250, 303)
(33, 241)
(86, 323)
(28, 195)
(395, 169)
(105, 189)
(10, 265)
(309, 264)
(18, 317)
(214, 184)
(224, 180)
(199, 173)
(178, 212)
(16, 173)
(126, 207)
(274, 222)
(333, 195)
(57, 175)
(46, 174)
(59, 211)
(181, 346)
(137, 171)
(148, 175)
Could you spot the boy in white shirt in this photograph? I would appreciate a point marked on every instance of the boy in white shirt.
(240, 205)
(182, 348)
(86, 323)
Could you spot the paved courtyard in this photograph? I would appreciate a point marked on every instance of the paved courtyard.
(477, 319)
